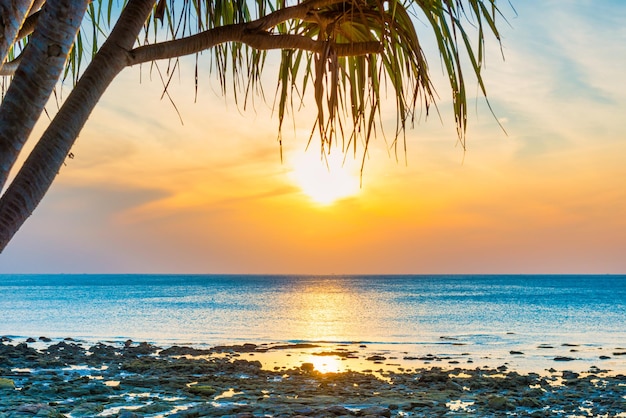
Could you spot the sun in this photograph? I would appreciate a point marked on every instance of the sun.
(325, 181)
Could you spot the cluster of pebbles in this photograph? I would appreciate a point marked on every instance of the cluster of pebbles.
(71, 379)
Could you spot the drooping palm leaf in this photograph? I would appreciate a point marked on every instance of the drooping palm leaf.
(349, 90)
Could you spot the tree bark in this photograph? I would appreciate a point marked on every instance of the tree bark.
(12, 15)
(255, 34)
(240, 33)
(33, 83)
(43, 164)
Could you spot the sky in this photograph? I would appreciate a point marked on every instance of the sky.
(149, 193)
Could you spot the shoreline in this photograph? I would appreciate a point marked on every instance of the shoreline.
(63, 378)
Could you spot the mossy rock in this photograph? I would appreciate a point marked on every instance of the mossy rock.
(204, 390)
(6, 383)
(499, 403)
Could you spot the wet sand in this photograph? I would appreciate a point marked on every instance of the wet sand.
(41, 377)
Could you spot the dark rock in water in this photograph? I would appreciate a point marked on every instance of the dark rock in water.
(513, 352)
(45, 339)
(605, 357)
(528, 402)
(337, 410)
(304, 411)
(247, 366)
(570, 375)
(500, 403)
(203, 390)
(37, 410)
(5, 339)
(376, 358)
(290, 346)
(87, 410)
(563, 358)
(619, 353)
(143, 349)
(421, 404)
(545, 346)
(433, 376)
(307, 367)
(183, 351)
(6, 384)
(376, 411)
(124, 413)
(67, 353)
(245, 348)
(31, 340)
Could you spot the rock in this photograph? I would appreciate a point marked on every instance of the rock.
(87, 410)
(570, 375)
(337, 410)
(528, 402)
(143, 349)
(6, 383)
(376, 411)
(183, 351)
(125, 413)
(307, 367)
(563, 358)
(434, 375)
(421, 404)
(499, 403)
(605, 357)
(203, 390)
(376, 358)
(514, 352)
(45, 339)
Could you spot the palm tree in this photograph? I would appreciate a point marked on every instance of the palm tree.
(347, 51)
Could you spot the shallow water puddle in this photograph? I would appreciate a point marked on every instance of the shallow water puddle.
(227, 394)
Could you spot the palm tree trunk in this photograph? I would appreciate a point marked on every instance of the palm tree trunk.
(12, 13)
(43, 164)
(36, 77)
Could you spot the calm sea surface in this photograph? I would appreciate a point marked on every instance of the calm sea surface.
(493, 312)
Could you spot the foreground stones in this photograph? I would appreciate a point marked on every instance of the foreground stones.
(136, 380)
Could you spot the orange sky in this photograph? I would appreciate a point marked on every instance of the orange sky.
(147, 194)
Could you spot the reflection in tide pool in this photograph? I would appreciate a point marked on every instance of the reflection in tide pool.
(327, 364)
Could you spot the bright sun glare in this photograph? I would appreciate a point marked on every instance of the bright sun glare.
(325, 182)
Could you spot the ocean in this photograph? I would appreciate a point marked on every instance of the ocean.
(579, 319)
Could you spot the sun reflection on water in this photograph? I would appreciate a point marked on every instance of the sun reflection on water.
(327, 364)
(326, 311)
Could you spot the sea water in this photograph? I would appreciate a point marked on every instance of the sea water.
(483, 315)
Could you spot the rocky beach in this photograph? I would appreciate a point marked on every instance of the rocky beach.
(69, 378)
